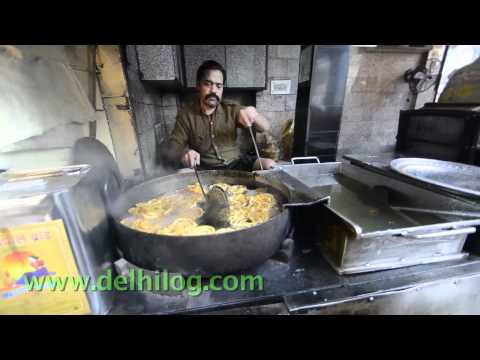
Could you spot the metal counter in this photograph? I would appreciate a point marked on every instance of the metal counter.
(308, 283)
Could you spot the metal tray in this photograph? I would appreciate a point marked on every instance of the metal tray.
(361, 228)
(461, 178)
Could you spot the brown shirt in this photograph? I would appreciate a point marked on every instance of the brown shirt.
(213, 136)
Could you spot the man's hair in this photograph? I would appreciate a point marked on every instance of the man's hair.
(208, 66)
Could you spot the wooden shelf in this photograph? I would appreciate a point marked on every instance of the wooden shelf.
(398, 49)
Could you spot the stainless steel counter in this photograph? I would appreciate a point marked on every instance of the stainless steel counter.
(308, 283)
(317, 287)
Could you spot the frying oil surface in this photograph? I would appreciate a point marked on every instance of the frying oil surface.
(178, 214)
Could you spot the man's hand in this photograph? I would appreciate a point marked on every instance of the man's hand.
(249, 116)
(191, 158)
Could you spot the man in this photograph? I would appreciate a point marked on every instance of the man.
(205, 132)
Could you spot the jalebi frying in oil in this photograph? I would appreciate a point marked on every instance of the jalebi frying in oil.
(176, 214)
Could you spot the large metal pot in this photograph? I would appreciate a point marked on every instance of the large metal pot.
(207, 254)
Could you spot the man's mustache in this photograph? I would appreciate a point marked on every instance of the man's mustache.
(212, 96)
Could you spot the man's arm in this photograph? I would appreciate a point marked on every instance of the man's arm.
(177, 150)
(261, 123)
(177, 143)
(249, 116)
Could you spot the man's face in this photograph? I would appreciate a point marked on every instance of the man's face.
(211, 89)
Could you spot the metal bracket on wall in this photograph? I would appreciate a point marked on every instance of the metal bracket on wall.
(123, 107)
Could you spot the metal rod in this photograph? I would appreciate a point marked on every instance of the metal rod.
(255, 145)
(199, 182)
(439, 212)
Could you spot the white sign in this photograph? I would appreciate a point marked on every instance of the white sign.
(280, 87)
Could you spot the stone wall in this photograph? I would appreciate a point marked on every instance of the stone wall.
(283, 64)
(375, 94)
(154, 112)
(155, 109)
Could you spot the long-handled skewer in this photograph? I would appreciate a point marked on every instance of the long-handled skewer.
(255, 145)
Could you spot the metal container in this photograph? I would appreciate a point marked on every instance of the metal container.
(71, 195)
(459, 178)
(361, 230)
(213, 253)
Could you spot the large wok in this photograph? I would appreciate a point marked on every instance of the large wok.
(207, 254)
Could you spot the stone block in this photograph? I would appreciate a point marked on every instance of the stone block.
(272, 51)
(364, 84)
(354, 102)
(288, 51)
(372, 103)
(271, 103)
(140, 91)
(169, 116)
(354, 136)
(157, 62)
(169, 100)
(398, 63)
(147, 144)
(144, 116)
(386, 117)
(292, 69)
(278, 68)
(246, 66)
(291, 102)
(393, 84)
(369, 64)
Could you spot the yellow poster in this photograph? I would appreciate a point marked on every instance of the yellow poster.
(38, 251)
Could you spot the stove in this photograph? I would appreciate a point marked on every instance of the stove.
(125, 268)
(283, 273)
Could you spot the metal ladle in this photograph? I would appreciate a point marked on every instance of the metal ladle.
(199, 182)
(217, 210)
